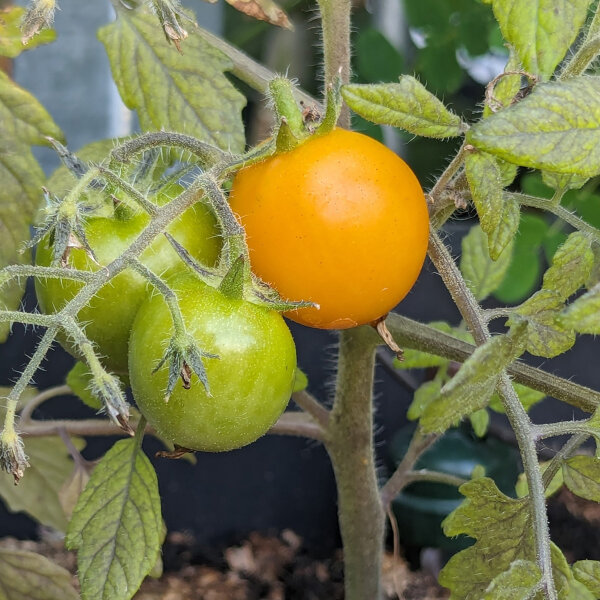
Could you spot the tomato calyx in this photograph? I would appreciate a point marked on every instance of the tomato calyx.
(65, 224)
(177, 452)
(236, 281)
(184, 358)
(107, 388)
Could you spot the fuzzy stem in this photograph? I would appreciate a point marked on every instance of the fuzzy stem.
(312, 406)
(136, 196)
(564, 453)
(515, 412)
(434, 477)
(350, 446)
(53, 392)
(560, 211)
(167, 293)
(400, 478)
(587, 51)
(16, 271)
(547, 430)
(335, 23)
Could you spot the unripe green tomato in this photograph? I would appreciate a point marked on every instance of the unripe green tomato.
(250, 382)
(109, 315)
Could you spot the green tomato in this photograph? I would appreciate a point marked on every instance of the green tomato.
(109, 315)
(250, 382)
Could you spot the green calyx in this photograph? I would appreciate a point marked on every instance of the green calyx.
(295, 126)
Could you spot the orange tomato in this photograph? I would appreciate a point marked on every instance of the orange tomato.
(341, 221)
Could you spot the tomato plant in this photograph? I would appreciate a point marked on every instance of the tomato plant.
(341, 221)
(110, 313)
(250, 380)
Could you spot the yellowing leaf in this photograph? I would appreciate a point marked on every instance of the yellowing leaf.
(264, 10)
(11, 44)
(188, 93)
(555, 128)
(541, 31)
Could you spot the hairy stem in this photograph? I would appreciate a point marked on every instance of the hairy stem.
(350, 445)
(515, 412)
(335, 24)
(53, 392)
(560, 211)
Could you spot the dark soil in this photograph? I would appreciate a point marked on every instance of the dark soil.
(275, 567)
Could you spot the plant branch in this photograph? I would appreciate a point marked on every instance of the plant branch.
(136, 196)
(547, 430)
(248, 70)
(412, 334)
(309, 404)
(446, 177)
(564, 453)
(518, 418)
(560, 211)
(400, 478)
(433, 477)
(298, 424)
(53, 392)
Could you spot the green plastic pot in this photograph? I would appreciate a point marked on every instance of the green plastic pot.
(421, 507)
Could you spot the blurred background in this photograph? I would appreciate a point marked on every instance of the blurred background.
(455, 48)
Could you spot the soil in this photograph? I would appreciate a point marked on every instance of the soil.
(275, 567)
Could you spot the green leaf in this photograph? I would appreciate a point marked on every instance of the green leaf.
(504, 533)
(480, 420)
(187, 93)
(29, 576)
(555, 128)
(519, 582)
(38, 492)
(583, 315)
(376, 59)
(541, 31)
(557, 482)
(422, 397)
(300, 380)
(524, 271)
(588, 573)
(481, 273)
(562, 181)
(11, 35)
(504, 234)
(545, 334)
(582, 476)
(507, 86)
(116, 525)
(571, 266)
(23, 123)
(594, 277)
(527, 396)
(407, 105)
(485, 182)
(79, 379)
(472, 387)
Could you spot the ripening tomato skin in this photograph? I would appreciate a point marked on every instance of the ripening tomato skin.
(250, 383)
(108, 317)
(341, 221)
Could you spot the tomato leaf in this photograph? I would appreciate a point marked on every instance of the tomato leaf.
(571, 266)
(588, 573)
(556, 128)
(472, 387)
(583, 315)
(527, 396)
(38, 493)
(23, 123)
(29, 576)
(582, 476)
(524, 271)
(545, 334)
(518, 582)
(11, 44)
(481, 273)
(485, 182)
(426, 393)
(522, 488)
(542, 31)
(480, 420)
(504, 533)
(116, 525)
(188, 93)
(407, 105)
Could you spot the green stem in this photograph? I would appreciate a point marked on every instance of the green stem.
(564, 453)
(400, 478)
(434, 477)
(16, 271)
(560, 211)
(548, 430)
(587, 51)
(335, 23)
(518, 418)
(136, 196)
(349, 442)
